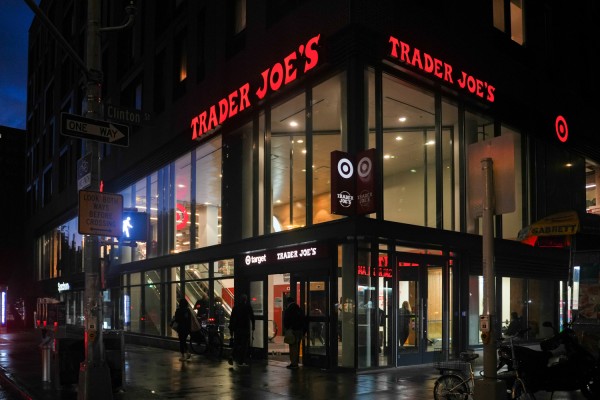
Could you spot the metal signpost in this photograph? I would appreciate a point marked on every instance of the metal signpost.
(94, 373)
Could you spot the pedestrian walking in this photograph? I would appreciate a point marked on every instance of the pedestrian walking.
(293, 328)
(182, 323)
(241, 326)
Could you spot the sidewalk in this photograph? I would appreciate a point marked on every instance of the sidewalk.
(152, 373)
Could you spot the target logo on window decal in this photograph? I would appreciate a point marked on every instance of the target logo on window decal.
(181, 216)
(345, 168)
(364, 167)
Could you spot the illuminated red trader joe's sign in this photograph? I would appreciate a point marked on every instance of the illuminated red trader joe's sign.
(425, 62)
(271, 79)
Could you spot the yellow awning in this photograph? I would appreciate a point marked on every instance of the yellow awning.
(560, 224)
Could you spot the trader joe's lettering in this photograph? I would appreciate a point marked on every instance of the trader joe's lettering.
(442, 70)
(271, 79)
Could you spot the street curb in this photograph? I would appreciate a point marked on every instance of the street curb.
(8, 383)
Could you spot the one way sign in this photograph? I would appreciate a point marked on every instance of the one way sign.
(93, 129)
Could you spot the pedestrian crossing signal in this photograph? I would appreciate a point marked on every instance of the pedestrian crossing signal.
(135, 226)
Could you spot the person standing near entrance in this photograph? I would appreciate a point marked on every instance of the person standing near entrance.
(182, 323)
(241, 326)
(293, 328)
(404, 316)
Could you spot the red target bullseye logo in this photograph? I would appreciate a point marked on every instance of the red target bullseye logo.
(562, 129)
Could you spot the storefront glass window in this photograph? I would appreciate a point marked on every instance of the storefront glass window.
(592, 187)
(183, 203)
(450, 174)
(527, 304)
(135, 309)
(408, 154)
(475, 308)
(151, 316)
(370, 312)
(328, 130)
(288, 164)
(208, 193)
(60, 251)
(173, 287)
(152, 249)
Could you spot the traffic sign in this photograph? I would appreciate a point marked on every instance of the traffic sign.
(93, 129)
(84, 172)
(100, 213)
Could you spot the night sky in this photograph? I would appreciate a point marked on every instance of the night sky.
(15, 20)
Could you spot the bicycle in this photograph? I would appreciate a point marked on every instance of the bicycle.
(456, 380)
(515, 383)
(208, 339)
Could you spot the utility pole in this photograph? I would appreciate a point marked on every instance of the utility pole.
(94, 373)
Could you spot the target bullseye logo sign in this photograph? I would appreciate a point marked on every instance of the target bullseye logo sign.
(561, 128)
(353, 183)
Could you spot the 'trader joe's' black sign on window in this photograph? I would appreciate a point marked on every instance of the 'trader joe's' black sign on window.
(353, 183)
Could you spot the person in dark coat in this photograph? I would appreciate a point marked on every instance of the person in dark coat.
(241, 326)
(294, 320)
(183, 318)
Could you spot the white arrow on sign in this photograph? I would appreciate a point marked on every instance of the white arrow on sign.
(92, 129)
(110, 132)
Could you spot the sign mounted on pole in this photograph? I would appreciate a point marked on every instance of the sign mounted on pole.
(94, 129)
(100, 213)
(84, 172)
(126, 115)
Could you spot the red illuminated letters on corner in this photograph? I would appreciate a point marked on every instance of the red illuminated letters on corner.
(281, 74)
(272, 79)
(440, 69)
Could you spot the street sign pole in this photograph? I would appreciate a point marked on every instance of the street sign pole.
(94, 374)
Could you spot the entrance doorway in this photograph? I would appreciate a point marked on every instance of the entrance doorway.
(311, 293)
(424, 299)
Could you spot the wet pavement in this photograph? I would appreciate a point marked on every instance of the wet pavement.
(152, 373)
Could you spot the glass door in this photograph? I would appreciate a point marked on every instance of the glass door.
(421, 290)
(312, 294)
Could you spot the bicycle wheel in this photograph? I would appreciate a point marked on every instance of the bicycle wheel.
(198, 342)
(450, 387)
(215, 347)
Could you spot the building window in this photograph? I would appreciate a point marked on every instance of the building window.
(236, 20)
(327, 127)
(304, 132)
(508, 18)
(288, 164)
(409, 154)
(180, 64)
(592, 187)
(183, 204)
(208, 194)
(239, 16)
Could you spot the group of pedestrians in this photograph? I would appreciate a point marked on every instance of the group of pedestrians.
(241, 326)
